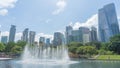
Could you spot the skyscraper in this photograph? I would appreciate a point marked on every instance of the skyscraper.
(48, 41)
(107, 22)
(68, 34)
(58, 39)
(84, 34)
(93, 34)
(75, 36)
(31, 37)
(42, 40)
(12, 33)
(25, 35)
(4, 39)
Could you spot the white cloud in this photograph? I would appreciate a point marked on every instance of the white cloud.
(3, 12)
(61, 4)
(5, 5)
(6, 33)
(92, 21)
(18, 36)
(43, 35)
(0, 25)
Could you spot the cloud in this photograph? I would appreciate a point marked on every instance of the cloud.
(5, 5)
(92, 21)
(0, 26)
(17, 36)
(43, 35)
(61, 4)
(3, 12)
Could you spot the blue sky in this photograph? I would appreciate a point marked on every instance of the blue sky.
(49, 16)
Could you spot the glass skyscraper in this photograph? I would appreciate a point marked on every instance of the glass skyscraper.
(31, 37)
(107, 22)
(12, 33)
(68, 34)
(25, 35)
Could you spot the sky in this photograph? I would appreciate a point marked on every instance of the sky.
(48, 16)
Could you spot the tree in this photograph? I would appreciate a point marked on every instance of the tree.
(72, 47)
(21, 44)
(16, 49)
(96, 44)
(2, 47)
(115, 44)
(86, 50)
(9, 46)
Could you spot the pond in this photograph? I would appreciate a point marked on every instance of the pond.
(49, 64)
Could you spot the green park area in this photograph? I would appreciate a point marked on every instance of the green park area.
(108, 57)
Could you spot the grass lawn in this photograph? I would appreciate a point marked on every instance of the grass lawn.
(108, 57)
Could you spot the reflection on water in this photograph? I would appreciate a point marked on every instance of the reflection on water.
(80, 64)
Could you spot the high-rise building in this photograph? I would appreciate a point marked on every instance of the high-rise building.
(107, 22)
(25, 35)
(48, 41)
(93, 34)
(75, 36)
(42, 40)
(84, 34)
(4, 39)
(58, 39)
(31, 37)
(12, 33)
(68, 34)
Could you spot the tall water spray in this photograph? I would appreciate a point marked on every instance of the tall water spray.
(44, 53)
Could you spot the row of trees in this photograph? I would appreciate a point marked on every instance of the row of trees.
(93, 48)
(12, 48)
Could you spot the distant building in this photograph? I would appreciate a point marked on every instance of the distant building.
(48, 41)
(93, 34)
(4, 39)
(75, 36)
(12, 33)
(84, 34)
(31, 37)
(58, 39)
(68, 34)
(25, 35)
(42, 40)
(107, 22)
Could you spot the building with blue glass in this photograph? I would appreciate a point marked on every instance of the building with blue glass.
(107, 22)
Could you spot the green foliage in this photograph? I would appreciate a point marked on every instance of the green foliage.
(86, 50)
(16, 49)
(96, 44)
(21, 44)
(114, 44)
(72, 47)
(104, 52)
(2, 47)
(9, 46)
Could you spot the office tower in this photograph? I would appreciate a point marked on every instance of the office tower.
(25, 35)
(42, 40)
(4, 39)
(12, 33)
(68, 34)
(58, 39)
(48, 41)
(31, 37)
(93, 34)
(107, 22)
(75, 36)
(84, 34)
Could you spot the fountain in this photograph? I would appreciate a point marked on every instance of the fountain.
(41, 54)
